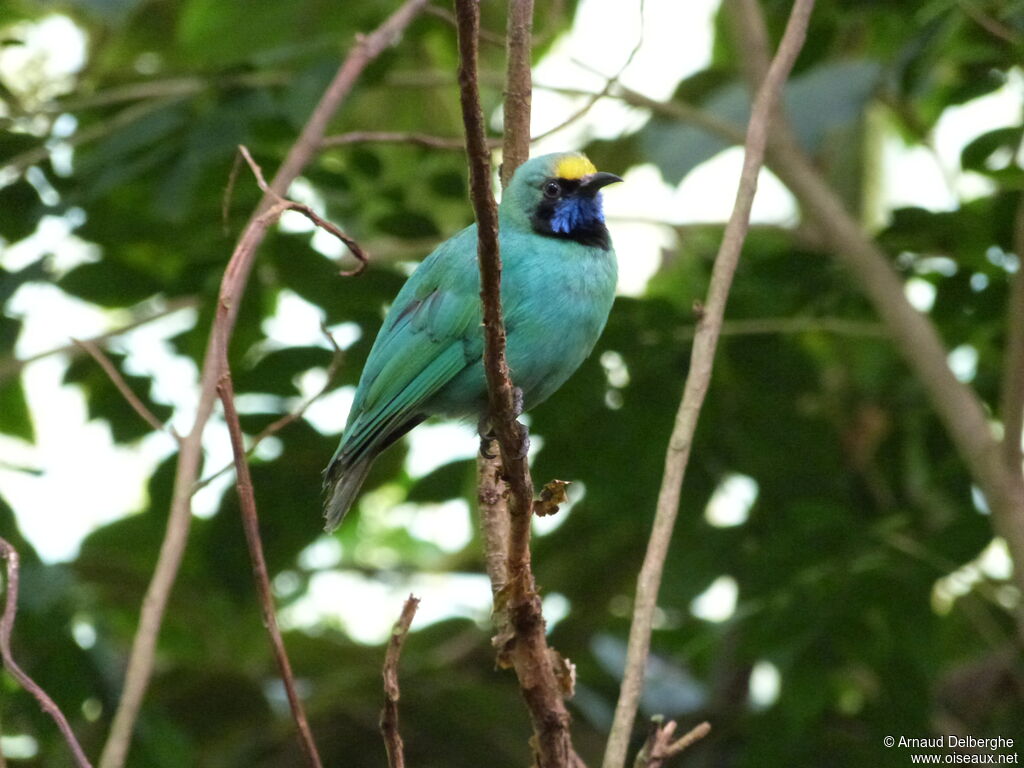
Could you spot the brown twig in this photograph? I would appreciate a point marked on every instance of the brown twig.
(122, 386)
(697, 381)
(515, 148)
(659, 746)
(389, 714)
(686, 113)
(229, 192)
(227, 303)
(140, 663)
(780, 325)
(495, 525)
(251, 525)
(526, 650)
(19, 163)
(486, 36)
(165, 88)
(395, 137)
(12, 367)
(292, 416)
(282, 204)
(610, 83)
(10, 554)
(994, 27)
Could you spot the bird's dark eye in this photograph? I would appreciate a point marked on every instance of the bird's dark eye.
(552, 189)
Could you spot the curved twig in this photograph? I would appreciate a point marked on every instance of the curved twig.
(140, 662)
(10, 554)
(132, 399)
(282, 204)
(251, 526)
(12, 367)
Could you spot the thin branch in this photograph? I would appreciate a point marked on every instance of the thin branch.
(281, 205)
(610, 83)
(495, 523)
(529, 654)
(770, 326)
(396, 137)
(697, 381)
(251, 525)
(389, 714)
(12, 367)
(660, 748)
(19, 163)
(230, 294)
(10, 554)
(486, 36)
(515, 148)
(686, 113)
(166, 88)
(122, 386)
(229, 192)
(994, 27)
(1012, 391)
(140, 663)
(289, 418)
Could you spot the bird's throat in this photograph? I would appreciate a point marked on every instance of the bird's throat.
(574, 218)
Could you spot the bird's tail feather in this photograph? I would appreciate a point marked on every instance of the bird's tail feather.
(343, 484)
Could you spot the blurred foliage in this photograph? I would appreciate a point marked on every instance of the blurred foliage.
(862, 505)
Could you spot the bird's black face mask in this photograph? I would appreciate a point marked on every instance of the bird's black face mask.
(571, 209)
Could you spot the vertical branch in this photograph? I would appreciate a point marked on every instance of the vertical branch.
(229, 296)
(526, 647)
(701, 361)
(10, 554)
(389, 714)
(251, 525)
(515, 149)
(141, 658)
(495, 528)
(492, 492)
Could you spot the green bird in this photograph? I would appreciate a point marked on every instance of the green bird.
(557, 286)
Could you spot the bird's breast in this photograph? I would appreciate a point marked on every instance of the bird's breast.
(556, 305)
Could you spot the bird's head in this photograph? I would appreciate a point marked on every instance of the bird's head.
(559, 196)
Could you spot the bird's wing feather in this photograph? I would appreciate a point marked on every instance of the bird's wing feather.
(421, 346)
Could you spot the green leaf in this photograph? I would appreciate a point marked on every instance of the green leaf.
(14, 414)
(20, 210)
(109, 284)
(818, 103)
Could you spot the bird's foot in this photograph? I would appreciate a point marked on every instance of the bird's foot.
(487, 436)
(517, 402)
(524, 441)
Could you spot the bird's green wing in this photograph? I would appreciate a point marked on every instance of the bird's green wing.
(420, 348)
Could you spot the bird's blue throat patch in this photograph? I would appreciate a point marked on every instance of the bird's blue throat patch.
(572, 216)
(577, 214)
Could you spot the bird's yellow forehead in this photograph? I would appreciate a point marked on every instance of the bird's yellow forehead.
(574, 167)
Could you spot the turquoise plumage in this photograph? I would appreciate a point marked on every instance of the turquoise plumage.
(558, 284)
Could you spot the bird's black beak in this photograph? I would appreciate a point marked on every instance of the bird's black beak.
(592, 183)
